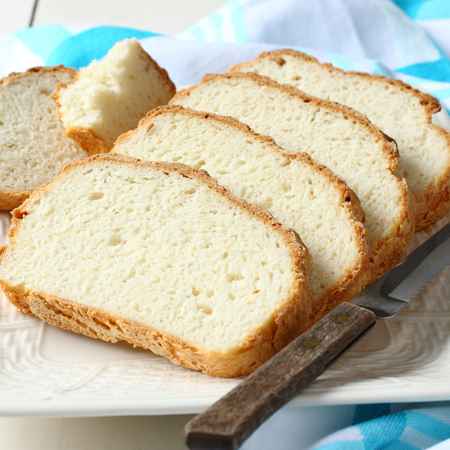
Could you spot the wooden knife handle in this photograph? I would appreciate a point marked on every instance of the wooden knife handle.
(234, 417)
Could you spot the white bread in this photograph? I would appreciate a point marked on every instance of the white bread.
(296, 191)
(399, 110)
(33, 147)
(334, 136)
(109, 96)
(162, 257)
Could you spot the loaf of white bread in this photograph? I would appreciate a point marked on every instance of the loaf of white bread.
(109, 96)
(298, 192)
(402, 112)
(33, 147)
(333, 135)
(162, 257)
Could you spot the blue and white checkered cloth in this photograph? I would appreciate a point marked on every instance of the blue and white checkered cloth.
(406, 39)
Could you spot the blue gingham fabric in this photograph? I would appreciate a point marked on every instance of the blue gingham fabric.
(391, 427)
(406, 39)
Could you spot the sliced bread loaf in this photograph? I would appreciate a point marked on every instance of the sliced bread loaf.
(299, 193)
(109, 96)
(402, 112)
(159, 256)
(334, 136)
(33, 147)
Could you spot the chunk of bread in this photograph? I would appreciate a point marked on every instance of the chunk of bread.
(299, 193)
(33, 147)
(334, 136)
(400, 111)
(162, 257)
(109, 96)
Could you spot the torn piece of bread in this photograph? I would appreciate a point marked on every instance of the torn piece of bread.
(33, 147)
(334, 136)
(399, 110)
(109, 96)
(299, 193)
(162, 257)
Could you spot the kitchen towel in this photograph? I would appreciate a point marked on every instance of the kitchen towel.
(405, 39)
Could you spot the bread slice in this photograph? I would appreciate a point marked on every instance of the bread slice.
(299, 193)
(33, 147)
(109, 96)
(401, 111)
(162, 257)
(334, 136)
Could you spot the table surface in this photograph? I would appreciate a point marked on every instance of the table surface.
(122, 433)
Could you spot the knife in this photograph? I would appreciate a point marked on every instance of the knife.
(234, 417)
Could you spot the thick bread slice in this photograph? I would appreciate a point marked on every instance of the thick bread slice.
(299, 193)
(109, 96)
(334, 136)
(162, 257)
(33, 147)
(401, 111)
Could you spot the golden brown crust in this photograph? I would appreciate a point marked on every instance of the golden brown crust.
(98, 324)
(390, 251)
(15, 76)
(427, 100)
(434, 203)
(290, 319)
(10, 200)
(87, 138)
(353, 281)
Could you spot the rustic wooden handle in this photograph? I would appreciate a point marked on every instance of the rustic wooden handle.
(231, 420)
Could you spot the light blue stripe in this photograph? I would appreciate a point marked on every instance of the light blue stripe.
(441, 94)
(380, 432)
(43, 40)
(429, 425)
(425, 10)
(437, 70)
(216, 21)
(80, 49)
(238, 19)
(342, 445)
(396, 445)
(197, 33)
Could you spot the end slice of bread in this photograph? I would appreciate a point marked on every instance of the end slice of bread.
(333, 135)
(162, 257)
(298, 192)
(33, 147)
(402, 112)
(109, 96)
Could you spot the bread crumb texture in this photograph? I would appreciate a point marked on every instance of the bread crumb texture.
(400, 111)
(163, 249)
(33, 147)
(332, 135)
(110, 95)
(294, 189)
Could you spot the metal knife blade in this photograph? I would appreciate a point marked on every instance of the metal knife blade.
(394, 290)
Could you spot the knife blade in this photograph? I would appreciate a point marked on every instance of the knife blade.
(402, 284)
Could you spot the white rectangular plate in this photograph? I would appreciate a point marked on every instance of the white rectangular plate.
(46, 371)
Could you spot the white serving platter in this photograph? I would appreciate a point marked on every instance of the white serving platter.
(49, 372)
